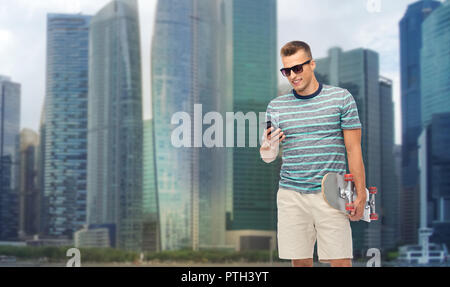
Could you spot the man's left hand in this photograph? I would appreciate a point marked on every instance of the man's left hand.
(358, 212)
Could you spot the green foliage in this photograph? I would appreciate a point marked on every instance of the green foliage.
(213, 256)
(58, 254)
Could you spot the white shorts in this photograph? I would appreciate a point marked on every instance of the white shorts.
(303, 218)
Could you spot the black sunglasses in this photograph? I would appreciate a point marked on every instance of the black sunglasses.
(296, 69)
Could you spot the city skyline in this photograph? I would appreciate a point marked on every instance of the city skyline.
(373, 30)
(105, 168)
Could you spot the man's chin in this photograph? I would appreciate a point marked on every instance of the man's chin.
(299, 89)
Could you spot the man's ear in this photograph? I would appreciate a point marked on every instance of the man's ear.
(313, 65)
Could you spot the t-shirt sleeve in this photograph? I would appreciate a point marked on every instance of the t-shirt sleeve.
(349, 113)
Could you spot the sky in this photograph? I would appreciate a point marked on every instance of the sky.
(349, 24)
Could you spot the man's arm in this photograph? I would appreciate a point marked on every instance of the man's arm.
(352, 139)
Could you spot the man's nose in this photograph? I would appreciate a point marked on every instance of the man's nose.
(292, 75)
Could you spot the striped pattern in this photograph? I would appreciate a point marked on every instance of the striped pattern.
(314, 143)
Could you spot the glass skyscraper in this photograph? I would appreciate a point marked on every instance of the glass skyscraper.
(187, 69)
(151, 235)
(252, 217)
(389, 185)
(435, 103)
(410, 69)
(29, 191)
(357, 71)
(115, 123)
(66, 123)
(435, 67)
(9, 158)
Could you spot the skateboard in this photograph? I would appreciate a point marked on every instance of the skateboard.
(339, 192)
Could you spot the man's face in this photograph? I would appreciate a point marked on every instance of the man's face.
(301, 80)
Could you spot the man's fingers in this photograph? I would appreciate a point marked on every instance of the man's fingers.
(273, 132)
(266, 133)
(355, 215)
(276, 138)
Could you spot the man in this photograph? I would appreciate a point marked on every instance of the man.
(315, 124)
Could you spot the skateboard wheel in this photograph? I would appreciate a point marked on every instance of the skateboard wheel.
(373, 216)
(348, 177)
(349, 207)
(373, 190)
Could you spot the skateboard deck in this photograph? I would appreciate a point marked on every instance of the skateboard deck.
(337, 196)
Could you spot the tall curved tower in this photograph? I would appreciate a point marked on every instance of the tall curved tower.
(115, 131)
(186, 70)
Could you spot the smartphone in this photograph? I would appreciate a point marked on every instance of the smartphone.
(269, 125)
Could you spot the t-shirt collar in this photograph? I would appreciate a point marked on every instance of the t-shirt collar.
(308, 96)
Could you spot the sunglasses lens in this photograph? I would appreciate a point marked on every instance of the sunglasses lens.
(286, 72)
(297, 69)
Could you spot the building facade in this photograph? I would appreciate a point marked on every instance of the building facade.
(10, 101)
(389, 185)
(29, 195)
(65, 139)
(435, 103)
(410, 81)
(151, 235)
(115, 123)
(187, 78)
(252, 216)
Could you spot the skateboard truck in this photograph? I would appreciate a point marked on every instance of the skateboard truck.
(372, 191)
(347, 193)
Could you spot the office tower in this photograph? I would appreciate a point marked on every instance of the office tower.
(435, 64)
(115, 123)
(9, 158)
(410, 68)
(437, 178)
(187, 73)
(435, 103)
(29, 197)
(357, 71)
(151, 236)
(66, 123)
(251, 223)
(43, 202)
(389, 185)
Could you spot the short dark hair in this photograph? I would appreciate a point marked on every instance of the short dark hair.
(293, 47)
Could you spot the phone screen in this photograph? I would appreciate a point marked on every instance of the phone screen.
(269, 125)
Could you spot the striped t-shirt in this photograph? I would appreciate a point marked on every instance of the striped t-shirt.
(314, 143)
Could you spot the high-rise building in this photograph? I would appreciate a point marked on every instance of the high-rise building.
(251, 222)
(29, 195)
(9, 158)
(435, 103)
(389, 185)
(357, 71)
(438, 179)
(66, 123)
(435, 64)
(410, 69)
(187, 81)
(115, 123)
(43, 202)
(151, 235)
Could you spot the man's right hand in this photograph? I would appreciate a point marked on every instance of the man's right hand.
(269, 147)
(270, 140)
